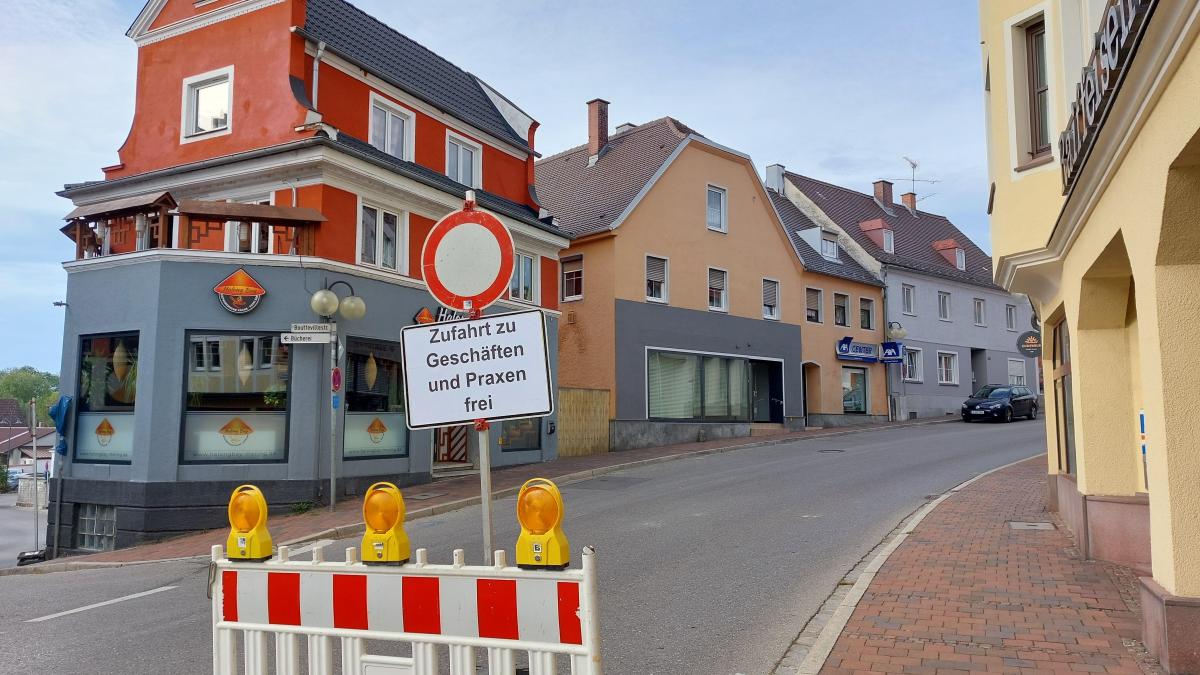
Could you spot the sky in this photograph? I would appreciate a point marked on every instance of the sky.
(841, 91)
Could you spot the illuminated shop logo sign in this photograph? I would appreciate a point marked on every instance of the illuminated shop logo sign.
(104, 432)
(849, 350)
(239, 292)
(1120, 31)
(235, 432)
(377, 430)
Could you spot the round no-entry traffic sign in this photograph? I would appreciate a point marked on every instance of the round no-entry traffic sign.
(467, 260)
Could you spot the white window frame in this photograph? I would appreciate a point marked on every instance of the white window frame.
(206, 355)
(908, 299)
(193, 83)
(861, 300)
(666, 287)
(954, 374)
(258, 352)
(960, 259)
(476, 162)
(562, 271)
(979, 310)
(949, 316)
(908, 374)
(1024, 373)
(231, 227)
(835, 299)
(889, 241)
(837, 256)
(1010, 317)
(778, 299)
(724, 296)
(534, 290)
(410, 124)
(820, 304)
(401, 237)
(724, 228)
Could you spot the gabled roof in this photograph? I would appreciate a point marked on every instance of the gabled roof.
(588, 199)
(794, 222)
(915, 232)
(357, 36)
(12, 438)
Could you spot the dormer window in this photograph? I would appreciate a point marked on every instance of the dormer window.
(829, 248)
(960, 259)
(889, 241)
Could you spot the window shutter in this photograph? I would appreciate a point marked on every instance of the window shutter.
(716, 279)
(656, 269)
(814, 298)
(572, 265)
(770, 293)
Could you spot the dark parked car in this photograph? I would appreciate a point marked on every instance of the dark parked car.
(1000, 402)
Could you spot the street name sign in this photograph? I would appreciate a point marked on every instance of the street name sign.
(312, 327)
(306, 338)
(493, 368)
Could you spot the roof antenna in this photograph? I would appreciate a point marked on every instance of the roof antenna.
(913, 164)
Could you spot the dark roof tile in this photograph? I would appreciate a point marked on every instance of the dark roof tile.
(914, 232)
(794, 221)
(360, 37)
(587, 199)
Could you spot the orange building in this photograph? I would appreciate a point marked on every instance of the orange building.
(684, 294)
(307, 145)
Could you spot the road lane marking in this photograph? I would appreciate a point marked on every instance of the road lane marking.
(114, 601)
(308, 547)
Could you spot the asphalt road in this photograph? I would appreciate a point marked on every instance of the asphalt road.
(708, 565)
(16, 530)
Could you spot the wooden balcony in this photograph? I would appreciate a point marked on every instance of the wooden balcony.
(158, 221)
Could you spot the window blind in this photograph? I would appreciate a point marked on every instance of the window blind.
(656, 269)
(770, 293)
(716, 279)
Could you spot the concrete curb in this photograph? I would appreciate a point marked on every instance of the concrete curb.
(821, 648)
(356, 529)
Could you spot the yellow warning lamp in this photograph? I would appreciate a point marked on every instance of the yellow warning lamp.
(248, 536)
(542, 543)
(384, 542)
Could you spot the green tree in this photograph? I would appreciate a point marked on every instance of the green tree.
(27, 382)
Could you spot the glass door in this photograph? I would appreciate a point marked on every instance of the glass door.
(854, 390)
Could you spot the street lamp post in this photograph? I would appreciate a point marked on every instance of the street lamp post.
(897, 332)
(326, 304)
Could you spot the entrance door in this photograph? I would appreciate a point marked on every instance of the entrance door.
(766, 391)
(854, 390)
(450, 444)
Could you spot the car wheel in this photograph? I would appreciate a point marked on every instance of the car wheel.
(966, 419)
(1033, 412)
(1008, 416)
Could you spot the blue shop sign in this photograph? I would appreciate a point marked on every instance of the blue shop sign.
(849, 350)
(893, 352)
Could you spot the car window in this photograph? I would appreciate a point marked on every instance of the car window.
(992, 391)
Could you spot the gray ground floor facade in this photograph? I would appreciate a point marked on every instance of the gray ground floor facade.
(935, 378)
(178, 400)
(685, 375)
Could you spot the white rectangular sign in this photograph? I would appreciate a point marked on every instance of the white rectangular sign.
(305, 338)
(492, 368)
(312, 327)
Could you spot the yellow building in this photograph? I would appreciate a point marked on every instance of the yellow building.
(1093, 124)
(685, 298)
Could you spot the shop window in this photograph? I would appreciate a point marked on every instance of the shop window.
(374, 425)
(236, 412)
(522, 434)
(107, 386)
(854, 390)
(697, 387)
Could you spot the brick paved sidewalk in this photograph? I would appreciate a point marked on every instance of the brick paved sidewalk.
(966, 592)
(453, 493)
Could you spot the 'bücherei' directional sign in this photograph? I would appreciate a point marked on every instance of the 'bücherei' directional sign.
(306, 338)
(494, 368)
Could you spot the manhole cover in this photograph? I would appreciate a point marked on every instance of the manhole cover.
(424, 495)
(1022, 525)
(831, 450)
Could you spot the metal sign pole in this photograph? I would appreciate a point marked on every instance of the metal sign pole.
(33, 436)
(485, 485)
(333, 412)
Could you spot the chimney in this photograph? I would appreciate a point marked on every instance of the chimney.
(622, 128)
(910, 201)
(883, 192)
(597, 125)
(775, 177)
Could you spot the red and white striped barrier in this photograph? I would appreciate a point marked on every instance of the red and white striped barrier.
(452, 608)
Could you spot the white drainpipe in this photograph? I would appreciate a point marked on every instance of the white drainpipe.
(316, 74)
